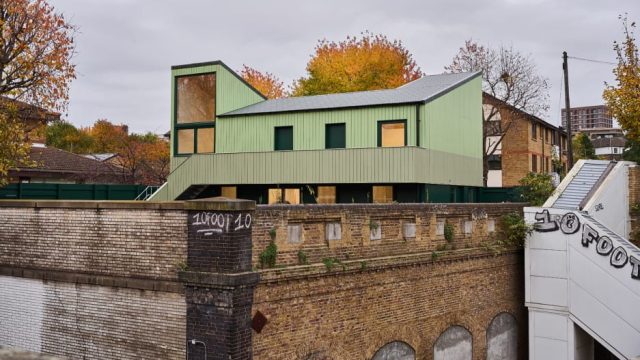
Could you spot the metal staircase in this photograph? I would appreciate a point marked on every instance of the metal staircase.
(582, 184)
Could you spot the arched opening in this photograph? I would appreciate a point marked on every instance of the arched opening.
(395, 350)
(502, 338)
(455, 343)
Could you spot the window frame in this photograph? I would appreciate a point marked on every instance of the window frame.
(326, 134)
(534, 130)
(398, 121)
(196, 125)
(275, 137)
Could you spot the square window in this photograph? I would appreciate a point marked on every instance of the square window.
(275, 196)
(335, 137)
(205, 140)
(392, 133)
(383, 194)
(196, 98)
(185, 141)
(292, 196)
(283, 138)
(326, 195)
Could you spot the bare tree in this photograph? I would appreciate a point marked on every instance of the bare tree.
(510, 82)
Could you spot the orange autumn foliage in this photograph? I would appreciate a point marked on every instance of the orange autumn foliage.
(371, 62)
(266, 83)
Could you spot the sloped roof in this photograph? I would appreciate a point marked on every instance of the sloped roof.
(421, 90)
(52, 159)
(100, 157)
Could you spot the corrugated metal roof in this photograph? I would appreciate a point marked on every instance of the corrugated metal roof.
(421, 90)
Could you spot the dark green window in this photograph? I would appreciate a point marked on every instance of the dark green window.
(335, 136)
(283, 138)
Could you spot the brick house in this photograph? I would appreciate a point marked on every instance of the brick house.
(528, 145)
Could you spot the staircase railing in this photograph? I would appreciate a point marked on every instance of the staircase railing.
(146, 193)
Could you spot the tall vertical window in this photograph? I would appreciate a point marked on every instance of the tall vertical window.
(335, 137)
(283, 138)
(534, 163)
(195, 113)
(392, 133)
(534, 128)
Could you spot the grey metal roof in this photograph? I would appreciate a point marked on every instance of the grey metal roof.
(421, 90)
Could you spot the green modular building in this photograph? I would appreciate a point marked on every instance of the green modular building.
(369, 146)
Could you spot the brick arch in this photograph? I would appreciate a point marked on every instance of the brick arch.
(456, 339)
(502, 337)
(405, 334)
(395, 350)
(322, 350)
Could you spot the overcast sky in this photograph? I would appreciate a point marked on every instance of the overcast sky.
(125, 48)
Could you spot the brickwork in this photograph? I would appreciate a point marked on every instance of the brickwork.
(147, 243)
(91, 322)
(99, 280)
(357, 222)
(350, 314)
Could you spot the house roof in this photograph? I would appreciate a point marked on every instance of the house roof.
(56, 160)
(418, 91)
(100, 157)
(524, 113)
(616, 141)
(27, 111)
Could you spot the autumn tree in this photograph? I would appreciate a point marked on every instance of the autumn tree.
(511, 81)
(36, 47)
(107, 137)
(623, 99)
(266, 83)
(369, 62)
(63, 135)
(144, 159)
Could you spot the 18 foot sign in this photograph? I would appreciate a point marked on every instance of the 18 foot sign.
(569, 223)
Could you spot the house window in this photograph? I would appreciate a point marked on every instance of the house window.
(546, 164)
(326, 195)
(615, 150)
(546, 135)
(494, 162)
(534, 127)
(534, 163)
(383, 194)
(335, 136)
(286, 196)
(283, 138)
(392, 133)
(230, 192)
(195, 113)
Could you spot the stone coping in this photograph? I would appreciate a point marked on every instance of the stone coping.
(375, 264)
(400, 206)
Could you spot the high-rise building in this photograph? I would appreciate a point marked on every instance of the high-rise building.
(587, 117)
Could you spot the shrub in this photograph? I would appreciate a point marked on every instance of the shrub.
(448, 231)
(536, 188)
(269, 255)
(302, 258)
(514, 230)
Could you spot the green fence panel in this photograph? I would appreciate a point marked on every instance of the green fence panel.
(70, 191)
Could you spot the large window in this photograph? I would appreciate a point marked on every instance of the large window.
(283, 138)
(195, 113)
(335, 137)
(392, 133)
(534, 163)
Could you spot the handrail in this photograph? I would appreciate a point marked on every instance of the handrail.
(595, 186)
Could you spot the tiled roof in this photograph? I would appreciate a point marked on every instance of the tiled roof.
(52, 159)
(421, 90)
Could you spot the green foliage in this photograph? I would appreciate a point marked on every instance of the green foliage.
(537, 187)
(63, 135)
(635, 207)
(363, 265)
(272, 233)
(434, 256)
(448, 231)
(583, 148)
(330, 263)
(631, 151)
(182, 265)
(513, 230)
(302, 258)
(14, 151)
(442, 247)
(269, 255)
